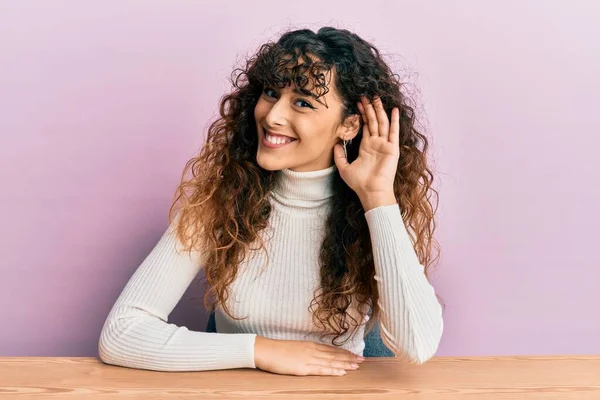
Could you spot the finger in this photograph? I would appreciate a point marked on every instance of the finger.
(321, 370)
(365, 120)
(346, 361)
(382, 118)
(338, 356)
(371, 116)
(337, 364)
(395, 126)
(339, 157)
(361, 109)
(331, 352)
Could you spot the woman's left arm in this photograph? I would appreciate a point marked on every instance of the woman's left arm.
(410, 316)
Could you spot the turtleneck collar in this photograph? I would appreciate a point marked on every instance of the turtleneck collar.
(304, 188)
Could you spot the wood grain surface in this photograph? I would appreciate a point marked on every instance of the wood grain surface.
(447, 378)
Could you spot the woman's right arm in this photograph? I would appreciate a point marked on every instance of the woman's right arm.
(136, 333)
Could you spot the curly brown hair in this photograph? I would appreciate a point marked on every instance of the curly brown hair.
(224, 204)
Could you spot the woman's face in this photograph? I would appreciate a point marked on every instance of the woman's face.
(310, 128)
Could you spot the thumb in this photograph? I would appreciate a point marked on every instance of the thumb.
(339, 157)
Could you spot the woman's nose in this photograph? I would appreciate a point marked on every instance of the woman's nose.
(277, 115)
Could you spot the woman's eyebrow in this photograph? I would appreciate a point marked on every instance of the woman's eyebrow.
(305, 92)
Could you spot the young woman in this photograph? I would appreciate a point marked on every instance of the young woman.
(309, 211)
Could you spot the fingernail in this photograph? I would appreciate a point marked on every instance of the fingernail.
(354, 366)
(360, 358)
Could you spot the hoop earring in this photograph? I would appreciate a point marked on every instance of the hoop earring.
(345, 143)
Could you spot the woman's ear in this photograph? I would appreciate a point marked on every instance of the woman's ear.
(350, 127)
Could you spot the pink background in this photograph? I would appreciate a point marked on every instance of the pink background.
(102, 103)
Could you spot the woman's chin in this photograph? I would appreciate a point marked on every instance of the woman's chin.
(269, 164)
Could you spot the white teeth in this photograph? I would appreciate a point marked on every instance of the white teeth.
(277, 139)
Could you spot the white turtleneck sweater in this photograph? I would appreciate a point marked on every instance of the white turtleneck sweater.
(275, 298)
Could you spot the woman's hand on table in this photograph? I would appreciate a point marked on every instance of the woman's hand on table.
(294, 357)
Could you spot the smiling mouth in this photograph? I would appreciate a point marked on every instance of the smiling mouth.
(271, 141)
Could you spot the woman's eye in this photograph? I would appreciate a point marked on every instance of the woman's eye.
(305, 104)
(269, 92)
(273, 94)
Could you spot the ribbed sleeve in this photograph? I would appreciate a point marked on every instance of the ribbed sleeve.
(136, 333)
(411, 317)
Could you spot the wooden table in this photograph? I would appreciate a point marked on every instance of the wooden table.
(447, 378)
